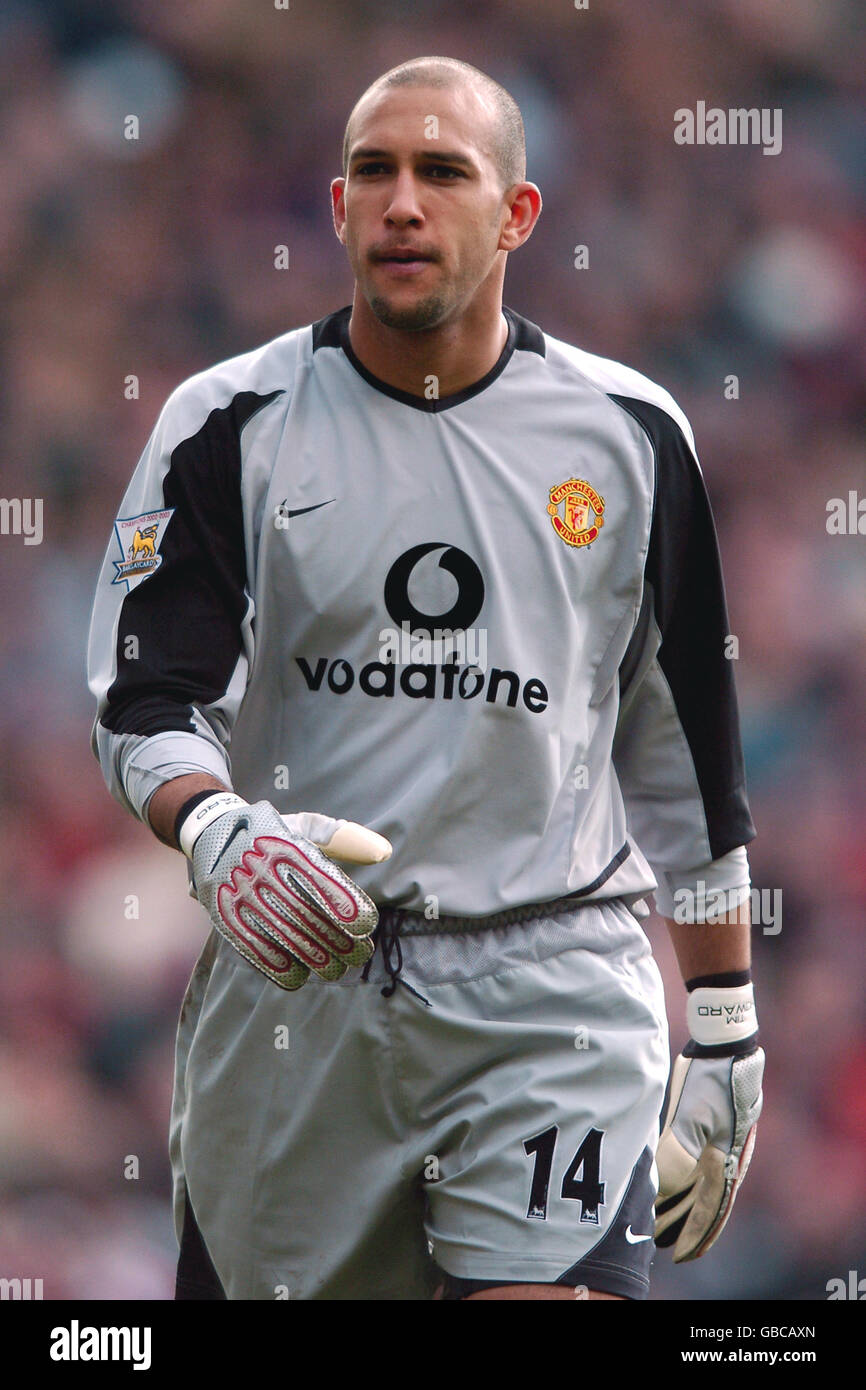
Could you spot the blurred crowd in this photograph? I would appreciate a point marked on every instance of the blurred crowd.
(153, 257)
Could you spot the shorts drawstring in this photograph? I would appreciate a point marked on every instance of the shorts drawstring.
(387, 935)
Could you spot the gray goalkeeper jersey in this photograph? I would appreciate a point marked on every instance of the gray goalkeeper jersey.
(491, 625)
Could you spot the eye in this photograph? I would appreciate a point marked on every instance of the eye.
(445, 169)
(369, 168)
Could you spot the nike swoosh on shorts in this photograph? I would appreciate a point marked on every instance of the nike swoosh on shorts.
(633, 1239)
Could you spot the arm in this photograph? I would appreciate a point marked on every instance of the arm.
(171, 645)
(677, 749)
(715, 947)
(169, 799)
(679, 761)
(171, 642)
(715, 1095)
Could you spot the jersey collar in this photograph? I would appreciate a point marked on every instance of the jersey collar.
(333, 331)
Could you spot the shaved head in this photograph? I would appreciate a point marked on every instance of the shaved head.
(506, 139)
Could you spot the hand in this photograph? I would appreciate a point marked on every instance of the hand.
(270, 888)
(705, 1148)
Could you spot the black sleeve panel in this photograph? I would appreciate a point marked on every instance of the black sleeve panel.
(187, 616)
(684, 574)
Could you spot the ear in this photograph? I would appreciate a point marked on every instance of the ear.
(338, 207)
(524, 203)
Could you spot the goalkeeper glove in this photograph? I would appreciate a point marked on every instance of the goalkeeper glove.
(711, 1119)
(271, 890)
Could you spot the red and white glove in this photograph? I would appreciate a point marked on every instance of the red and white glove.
(270, 887)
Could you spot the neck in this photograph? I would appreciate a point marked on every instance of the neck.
(457, 353)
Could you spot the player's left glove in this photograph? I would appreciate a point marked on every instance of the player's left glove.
(711, 1118)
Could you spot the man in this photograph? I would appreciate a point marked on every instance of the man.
(454, 584)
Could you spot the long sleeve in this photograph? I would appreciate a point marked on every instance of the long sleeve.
(677, 750)
(171, 637)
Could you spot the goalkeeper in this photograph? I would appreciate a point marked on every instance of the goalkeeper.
(424, 1050)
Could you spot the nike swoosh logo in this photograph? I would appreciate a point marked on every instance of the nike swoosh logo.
(632, 1238)
(301, 511)
(239, 828)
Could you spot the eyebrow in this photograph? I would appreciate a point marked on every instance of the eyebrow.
(435, 156)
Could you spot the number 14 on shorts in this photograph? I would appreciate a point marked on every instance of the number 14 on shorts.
(586, 1188)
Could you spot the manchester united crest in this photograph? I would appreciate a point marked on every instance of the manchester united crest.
(577, 512)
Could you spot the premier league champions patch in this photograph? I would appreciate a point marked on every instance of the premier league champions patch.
(140, 538)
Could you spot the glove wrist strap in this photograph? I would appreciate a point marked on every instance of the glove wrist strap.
(731, 1049)
(200, 812)
(719, 1015)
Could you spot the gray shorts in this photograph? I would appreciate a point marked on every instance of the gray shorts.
(338, 1144)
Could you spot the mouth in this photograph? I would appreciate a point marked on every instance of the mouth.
(403, 261)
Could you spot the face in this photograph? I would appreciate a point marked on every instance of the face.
(421, 218)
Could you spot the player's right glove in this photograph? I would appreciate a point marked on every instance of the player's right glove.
(711, 1120)
(270, 887)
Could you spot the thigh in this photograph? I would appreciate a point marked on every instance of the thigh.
(542, 1108)
(291, 1145)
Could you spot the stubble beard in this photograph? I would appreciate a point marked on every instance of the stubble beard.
(427, 313)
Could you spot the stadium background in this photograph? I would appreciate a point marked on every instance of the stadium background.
(155, 257)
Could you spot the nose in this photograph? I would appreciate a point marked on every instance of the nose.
(403, 208)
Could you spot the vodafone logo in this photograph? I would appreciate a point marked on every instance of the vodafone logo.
(433, 593)
(470, 588)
